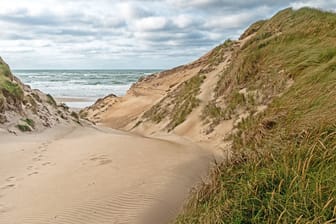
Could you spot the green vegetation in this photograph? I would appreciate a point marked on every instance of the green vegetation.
(217, 55)
(182, 101)
(74, 115)
(235, 102)
(282, 49)
(28, 125)
(30, 122)
(212, 113)
(185, 100)
(157, 113)
(51, 100)
(253, 28)
(4, 69)
(284, 165)
(8, 88)
(23, 127)
(12, 88)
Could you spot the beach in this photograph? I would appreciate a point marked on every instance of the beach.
(72, 174)
(81, 88)
(157, 112)
(75, 103)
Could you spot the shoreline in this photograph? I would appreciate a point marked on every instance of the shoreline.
(75, 103)
(72, 99)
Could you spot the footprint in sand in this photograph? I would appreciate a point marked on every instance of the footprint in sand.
(46, 163)
(10, 179)
(102, 159)
(38, 158)
(30, 167)
(7, 186)
(3, 209)
(42, 148)
(44, 145)
(33, 173)
(105, 161)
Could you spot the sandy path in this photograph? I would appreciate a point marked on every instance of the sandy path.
(192, 128)
(85, 175)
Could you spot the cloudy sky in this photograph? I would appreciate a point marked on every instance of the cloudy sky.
(125, 34)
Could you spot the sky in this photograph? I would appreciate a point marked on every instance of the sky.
(125, 34)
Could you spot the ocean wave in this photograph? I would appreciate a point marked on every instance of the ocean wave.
(91, 84)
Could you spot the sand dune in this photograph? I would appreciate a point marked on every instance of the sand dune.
(90, 175)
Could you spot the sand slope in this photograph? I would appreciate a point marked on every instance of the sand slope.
(89, 175)
(150, 104)
(123, 112)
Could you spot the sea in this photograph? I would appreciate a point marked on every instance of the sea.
(81, 87)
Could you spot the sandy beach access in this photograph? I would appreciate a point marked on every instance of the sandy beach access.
(95, 175)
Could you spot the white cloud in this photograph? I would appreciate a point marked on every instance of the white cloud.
(151, 23)
(229, 21)
(183, 21)
(124, 33)
(323, 4)
(194, 3)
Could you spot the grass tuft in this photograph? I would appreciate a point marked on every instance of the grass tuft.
(51, 100)
(24, 127)
(30, 122)
(8, 87)
(74, 115)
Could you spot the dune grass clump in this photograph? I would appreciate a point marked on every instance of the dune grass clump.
(185, 100)
(30, 122)
(7, 85)
(23, 127)
(4, 69)
(283, 168)
(51, 100)
(212, 112)
(74, 115)
(14, 89)
(156, 113)
(217, 55)
(236, 103)
(181, 103)
(27, 125)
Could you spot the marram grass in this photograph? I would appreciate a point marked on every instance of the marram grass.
(284, 164)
